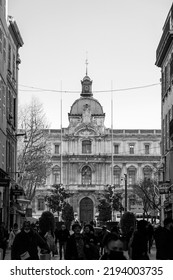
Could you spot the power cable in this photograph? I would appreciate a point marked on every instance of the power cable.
(35, 89)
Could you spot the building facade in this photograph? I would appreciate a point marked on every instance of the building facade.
(10, 42)
(164, 60)
(87, 157)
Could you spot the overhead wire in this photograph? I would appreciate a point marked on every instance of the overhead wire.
(36, 89)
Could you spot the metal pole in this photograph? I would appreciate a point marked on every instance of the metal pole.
(112, 159)
(125, 204)
(61, 175)
(112, 155)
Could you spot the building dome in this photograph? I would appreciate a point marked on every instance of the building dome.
(92, 103)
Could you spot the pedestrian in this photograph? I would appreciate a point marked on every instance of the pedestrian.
(150, 232)
(62, 235)
(50, 239)
(26, 242)
(3, 239)
(138, 244)
(91, 245)
(101, 237)
(164, 240)
(75, 244)
(15, 230)
(113, 248)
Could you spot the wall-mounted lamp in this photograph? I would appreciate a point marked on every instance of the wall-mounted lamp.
(22, 134)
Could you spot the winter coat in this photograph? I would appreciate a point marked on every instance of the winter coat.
(75, 248)
(90, 246)
(27, 243)
(164, 243)
(62, 235)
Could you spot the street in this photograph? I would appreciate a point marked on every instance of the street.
(152, 255)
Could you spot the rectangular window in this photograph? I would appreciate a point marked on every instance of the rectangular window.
(57, 149)
(116, 149)
(86, 147)
(9, 57)
(4, 49)
(41, 204)
(131, 149)
(3, 156)
(3, 100)
(1, 36)
(147, 149)
(14, 67)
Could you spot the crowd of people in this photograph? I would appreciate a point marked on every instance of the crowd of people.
(84, 243)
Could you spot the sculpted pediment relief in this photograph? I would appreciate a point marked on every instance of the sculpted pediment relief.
(86, 132)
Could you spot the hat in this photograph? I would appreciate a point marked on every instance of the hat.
(90, 227)
(76, 225)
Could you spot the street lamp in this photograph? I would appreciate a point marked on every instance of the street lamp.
(125, 204)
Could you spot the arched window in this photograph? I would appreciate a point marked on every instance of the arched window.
(86, 175)
(117, 175)
(147, 172)
(56, 171)
(86, 147)
(132, 175)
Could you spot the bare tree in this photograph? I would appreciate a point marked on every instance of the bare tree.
(34, 154)
(146, 190)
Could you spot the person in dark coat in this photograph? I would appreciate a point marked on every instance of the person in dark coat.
(113, 248)
(139, 242)
(62, 235)
(3, 238)
(75, 244)
(164, 240)
(26, 242)
(91, 247)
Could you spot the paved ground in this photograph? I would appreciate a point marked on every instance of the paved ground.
(152, 255)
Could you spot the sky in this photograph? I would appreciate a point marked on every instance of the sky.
(118, 37)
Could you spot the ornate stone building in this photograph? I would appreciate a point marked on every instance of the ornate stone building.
(83, 160)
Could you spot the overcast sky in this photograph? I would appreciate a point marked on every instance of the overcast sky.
(120, 37)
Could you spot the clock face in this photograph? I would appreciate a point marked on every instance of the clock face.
(86, 88)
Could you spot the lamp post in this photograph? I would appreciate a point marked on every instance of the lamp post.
(125, 204)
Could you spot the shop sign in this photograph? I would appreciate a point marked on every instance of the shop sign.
(17, 190)
(164, 188)
(4, 182)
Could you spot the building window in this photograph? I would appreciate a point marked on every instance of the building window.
(3, 100)
(147, 149)
(86, 175)
(56, 171)
(4, 49)
(41, 204)
(131, 149)
(14, 66)
(132, 175)
(1, 36)
(57, 149)
(86, 147)
(117, 175)
(9, 57)
(147, 172)
(116, 149)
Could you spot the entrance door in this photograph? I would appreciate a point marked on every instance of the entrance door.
(86, 210)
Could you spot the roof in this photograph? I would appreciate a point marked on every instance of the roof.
(95, 106)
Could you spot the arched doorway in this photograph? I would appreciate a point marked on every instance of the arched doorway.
(86, 210)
